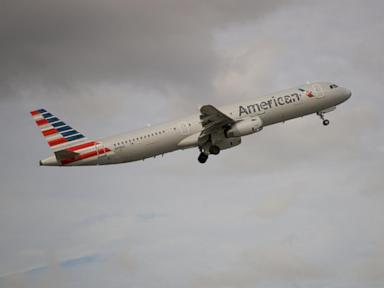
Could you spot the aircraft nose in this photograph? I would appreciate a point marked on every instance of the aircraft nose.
(348, 93)
(344, 94)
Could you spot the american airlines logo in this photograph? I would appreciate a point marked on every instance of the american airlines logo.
(269, 104)
(308, 92)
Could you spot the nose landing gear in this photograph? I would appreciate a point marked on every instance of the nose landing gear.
(325, 121)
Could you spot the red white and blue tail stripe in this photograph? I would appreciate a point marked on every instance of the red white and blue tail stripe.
(70, 147)
(57, 133)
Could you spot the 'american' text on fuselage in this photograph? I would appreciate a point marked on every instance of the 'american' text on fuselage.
(268, 104)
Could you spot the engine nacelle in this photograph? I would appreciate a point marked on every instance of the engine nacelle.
(245, 127)
(226, 143)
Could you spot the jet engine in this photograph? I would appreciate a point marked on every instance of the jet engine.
(245, 127)
(226, 143)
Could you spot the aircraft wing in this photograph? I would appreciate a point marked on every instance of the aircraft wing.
(212, 120)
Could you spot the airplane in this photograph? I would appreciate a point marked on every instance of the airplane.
(212, 130)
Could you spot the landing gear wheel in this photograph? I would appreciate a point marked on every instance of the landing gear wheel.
(325, 122)
(214, 150)
(202, 158)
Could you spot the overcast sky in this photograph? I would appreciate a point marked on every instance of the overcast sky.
(297, 205)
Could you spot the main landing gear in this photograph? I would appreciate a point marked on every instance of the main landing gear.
(203, 157)
(214, 150)
(325, 121)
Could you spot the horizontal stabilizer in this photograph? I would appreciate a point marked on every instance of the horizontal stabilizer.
(66, 154)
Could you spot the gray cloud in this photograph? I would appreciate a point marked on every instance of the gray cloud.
(277, 265)
(151, 43)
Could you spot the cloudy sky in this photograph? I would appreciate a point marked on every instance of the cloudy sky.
(298, 205)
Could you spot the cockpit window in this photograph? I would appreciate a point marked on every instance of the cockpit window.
(333, 86)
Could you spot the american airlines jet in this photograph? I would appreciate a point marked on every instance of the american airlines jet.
(211, 130)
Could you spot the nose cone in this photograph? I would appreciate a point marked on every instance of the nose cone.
(343, 94)
(347, 93)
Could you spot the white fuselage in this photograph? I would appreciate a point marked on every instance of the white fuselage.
(184, 133)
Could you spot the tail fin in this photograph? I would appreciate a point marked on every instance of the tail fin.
(59, 135)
